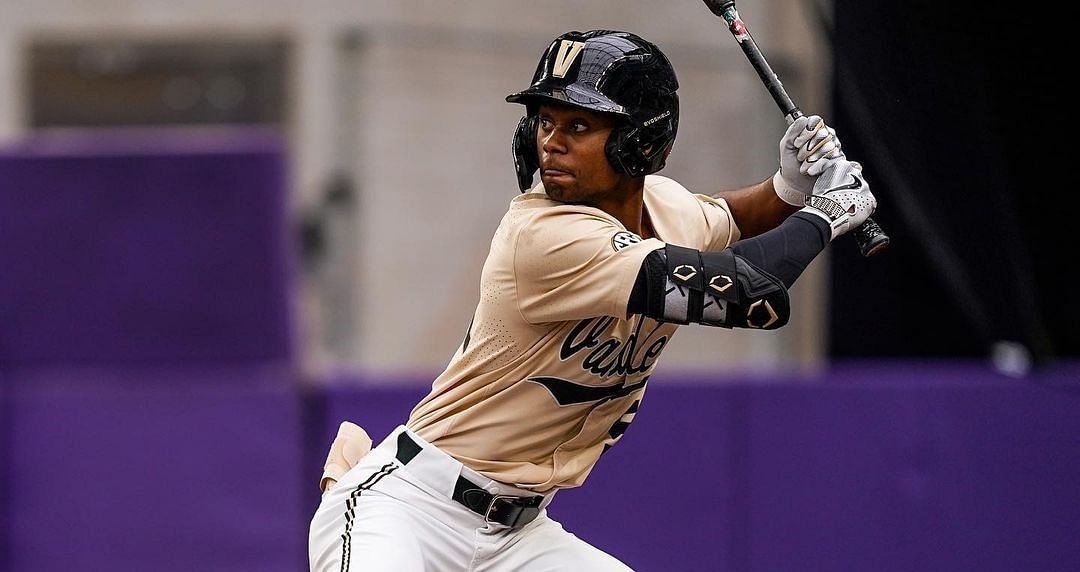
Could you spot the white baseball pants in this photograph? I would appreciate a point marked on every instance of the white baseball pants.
(383, 516)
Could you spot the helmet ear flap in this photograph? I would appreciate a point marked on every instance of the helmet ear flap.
(619, 150)
(526, 157)
(639, 151)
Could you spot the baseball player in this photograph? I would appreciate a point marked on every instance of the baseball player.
(590, 273)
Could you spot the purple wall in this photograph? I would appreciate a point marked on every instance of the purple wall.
(140, 249)
(148, 415)
(5, 471)
(154, 469)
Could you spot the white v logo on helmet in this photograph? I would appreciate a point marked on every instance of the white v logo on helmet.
(568, 52)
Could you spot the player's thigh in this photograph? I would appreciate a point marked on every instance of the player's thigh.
(373, 533)
(545, 546)
(359, 527)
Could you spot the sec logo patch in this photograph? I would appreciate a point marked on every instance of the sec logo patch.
(623, 239)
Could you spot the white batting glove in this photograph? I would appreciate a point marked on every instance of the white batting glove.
(350, 445)
(807, 148)
(842, 197)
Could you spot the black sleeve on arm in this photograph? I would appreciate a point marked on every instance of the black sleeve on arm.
(786, 250)
(647, 297)
(742, 286)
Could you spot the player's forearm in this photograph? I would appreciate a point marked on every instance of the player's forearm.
(788, 249)
(756, 208)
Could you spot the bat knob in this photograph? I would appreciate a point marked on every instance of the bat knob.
(872, 240)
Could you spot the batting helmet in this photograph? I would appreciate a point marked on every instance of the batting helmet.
(610, 72)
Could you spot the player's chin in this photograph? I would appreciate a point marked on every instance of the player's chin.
(556, 188)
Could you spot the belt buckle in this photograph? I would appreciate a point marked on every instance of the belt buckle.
(491, 508)
(523, 510)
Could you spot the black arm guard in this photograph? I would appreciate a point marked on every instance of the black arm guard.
(683, 285)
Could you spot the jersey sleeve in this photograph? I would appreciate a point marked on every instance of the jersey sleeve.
(720, 228)
(571, 264)
(689, 219)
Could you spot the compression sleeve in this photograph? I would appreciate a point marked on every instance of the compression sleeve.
(742, 286)
(786, 250)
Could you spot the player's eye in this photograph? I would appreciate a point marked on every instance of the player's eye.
(579, 126)
(545, 123)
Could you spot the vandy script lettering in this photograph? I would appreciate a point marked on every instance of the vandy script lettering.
(610, 357)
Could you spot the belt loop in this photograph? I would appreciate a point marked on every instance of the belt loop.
(406, 448)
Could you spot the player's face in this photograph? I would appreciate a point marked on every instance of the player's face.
(573, 165)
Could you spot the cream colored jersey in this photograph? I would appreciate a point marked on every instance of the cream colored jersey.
(553, 369)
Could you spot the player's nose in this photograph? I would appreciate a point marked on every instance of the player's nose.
(553, 141)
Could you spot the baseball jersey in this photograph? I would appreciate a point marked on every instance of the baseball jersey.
(553, 368)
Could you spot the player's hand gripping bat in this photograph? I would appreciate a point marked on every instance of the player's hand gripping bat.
(869, 235)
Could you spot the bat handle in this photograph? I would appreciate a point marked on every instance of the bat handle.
(869, 235)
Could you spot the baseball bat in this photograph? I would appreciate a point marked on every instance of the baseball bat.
(870, 237)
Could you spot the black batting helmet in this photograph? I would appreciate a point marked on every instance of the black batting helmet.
(611, 72)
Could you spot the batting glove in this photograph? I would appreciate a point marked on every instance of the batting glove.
(842, 197)
(349, 446)
(807, 148)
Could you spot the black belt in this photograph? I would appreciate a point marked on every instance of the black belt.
(511, 511)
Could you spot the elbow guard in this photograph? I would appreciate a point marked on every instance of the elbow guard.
(715, 289)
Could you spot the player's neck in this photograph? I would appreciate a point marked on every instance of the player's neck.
(628, 205)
